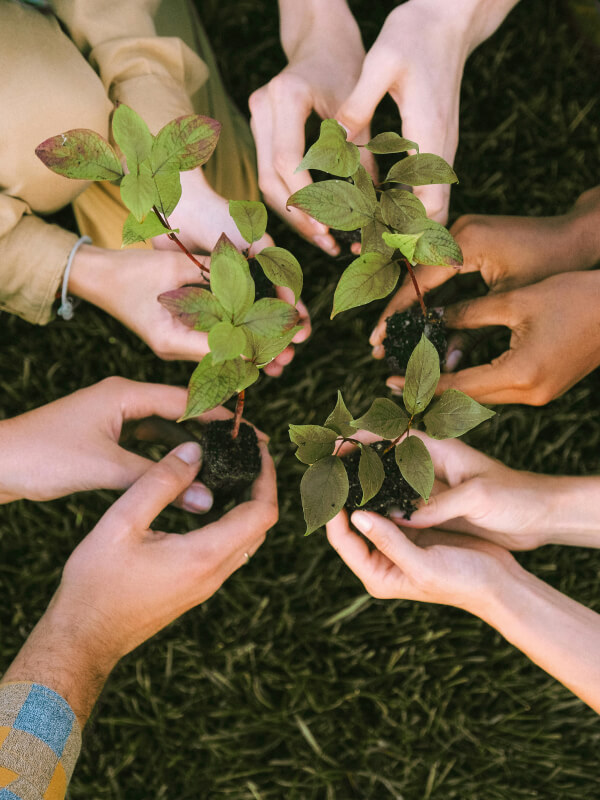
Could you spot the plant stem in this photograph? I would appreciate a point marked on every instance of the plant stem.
(416, 285)
(239, 410)
(397, 439)
(180, 245)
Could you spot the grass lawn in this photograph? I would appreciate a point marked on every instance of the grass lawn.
(291, 682)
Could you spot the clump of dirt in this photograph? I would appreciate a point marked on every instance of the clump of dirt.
(403, 333)
(395, 492)
(229, 465)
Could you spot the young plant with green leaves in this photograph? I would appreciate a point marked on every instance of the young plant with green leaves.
(244, 334)
(393, 223)
(325, 486)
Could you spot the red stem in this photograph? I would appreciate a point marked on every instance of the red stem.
(180, 245)
(416, 285)
(397, 439)
(239, 410)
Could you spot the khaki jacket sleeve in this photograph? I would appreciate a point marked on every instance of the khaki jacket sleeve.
(33, 257)
(153, 75)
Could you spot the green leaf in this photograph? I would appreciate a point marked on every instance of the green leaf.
(415, 465)
(324, 489)
(370, 473)
(225, 341)
(405, 242)
(314, 442)
(331, 152)
(422, 376)
(371, 237)
(269, 318)
(184, 143)
(80, 154)
(453, 414)
(390, 142)
(422, 169)
(230, 279)
(369, 277)
(340, 418)
(134, 231)
(281, 268)
(167, 186)
(262, 351)
(212, 384)
(193, 306)
(250, 216)
(138, 192)
(384, 418)
(399, 208)
(132, 135)
(335, 203)
(436, 245)
(364, 183)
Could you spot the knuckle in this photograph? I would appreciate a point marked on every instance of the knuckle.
(115, 383)
(257, 100)
(285, 162)
(286, 87)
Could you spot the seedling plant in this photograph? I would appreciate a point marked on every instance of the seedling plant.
(244, 333)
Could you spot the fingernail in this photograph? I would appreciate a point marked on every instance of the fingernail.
(397, 390)
(378, 351)
(326, 243)
(453, 360)
(362, 521)
(343, 126)
(189, 452)
(198, 498)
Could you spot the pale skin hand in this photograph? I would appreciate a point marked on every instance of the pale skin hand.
(324, 49)
(555, 340)
(418, 58)
(558, 634)
(72, 444)
(510, 252)
(478, 495)
(125, 581)
(126, 285)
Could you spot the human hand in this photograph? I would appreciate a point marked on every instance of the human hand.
(510, 252)
(124, 581)
(324, 49)
(430, 566)
(418, 58)
(555, 340)
(72, 444)
(127, 283)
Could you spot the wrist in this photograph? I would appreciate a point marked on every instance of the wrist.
(301, 22)
(583, 223)
(89, 277)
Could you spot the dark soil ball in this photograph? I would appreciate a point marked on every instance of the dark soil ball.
(404, 329)
(262, 285)
(229, 465)
(345, 237)
(395, 492)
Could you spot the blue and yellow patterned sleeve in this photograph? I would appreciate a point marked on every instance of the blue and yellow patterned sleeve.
(40, 742)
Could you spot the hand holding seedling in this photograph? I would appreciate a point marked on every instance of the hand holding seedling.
(324, 49)
(118, 587)
(558, 634)
(510, 252)
(477, 495)
(72, 444)
(418, 58)
(555, 340)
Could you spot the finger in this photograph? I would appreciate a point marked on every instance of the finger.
(140, 400)
(177, 342)
(493, 309)
(352, 549)
(461, 343)
(356, 112)
(449, 505)
(155, 489)
(453, 460)
(285, 294)
(273, 370)
(489, 383)
(388, 539)
(246, 524)
(291, 106)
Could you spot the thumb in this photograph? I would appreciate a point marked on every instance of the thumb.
(160, 485)
(387, 538)
(357, 110)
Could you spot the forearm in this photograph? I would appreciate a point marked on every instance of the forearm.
(558, 634)
(300, 22)
(574, 517)
(64, 658)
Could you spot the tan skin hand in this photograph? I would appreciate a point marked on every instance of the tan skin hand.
(555, 340)
(510, 252)
(72, 444)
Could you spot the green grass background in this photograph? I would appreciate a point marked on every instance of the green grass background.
(291, 682)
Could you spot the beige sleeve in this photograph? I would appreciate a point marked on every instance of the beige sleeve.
(33, 256)
(154, 75)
